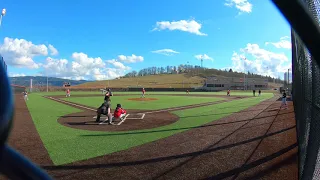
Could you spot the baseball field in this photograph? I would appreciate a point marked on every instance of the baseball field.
(166, 135)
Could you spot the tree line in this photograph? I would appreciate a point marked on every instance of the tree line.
(190, 70)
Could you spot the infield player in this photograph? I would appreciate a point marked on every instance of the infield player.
(284, 100)
(25, 95)
(119, 113)
(105, 110)
(228, 92)
(143, 93)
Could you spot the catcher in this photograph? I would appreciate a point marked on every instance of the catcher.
(119, 113)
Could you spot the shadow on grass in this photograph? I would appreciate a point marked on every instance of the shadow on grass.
(196, 153)
(165, 130)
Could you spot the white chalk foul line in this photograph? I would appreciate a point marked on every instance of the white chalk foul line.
(71, 104)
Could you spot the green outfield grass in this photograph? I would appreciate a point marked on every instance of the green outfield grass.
(66, 145)
(162, 102)
(233, 93)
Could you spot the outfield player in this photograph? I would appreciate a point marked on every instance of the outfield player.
(187, 91)
(254, 92)
(68, 93)
(143, 93)
(119, 113)
(228, 92)
(106, 110)
(259, 92)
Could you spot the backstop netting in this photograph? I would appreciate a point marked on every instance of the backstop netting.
(306, 98)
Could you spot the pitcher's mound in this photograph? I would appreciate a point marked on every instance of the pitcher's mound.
(143, 99)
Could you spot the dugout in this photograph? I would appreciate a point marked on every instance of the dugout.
(16, 89)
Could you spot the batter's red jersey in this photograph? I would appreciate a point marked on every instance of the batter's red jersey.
(143, 91)
(118, 112)
(68, 91)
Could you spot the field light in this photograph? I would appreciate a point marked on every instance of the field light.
(3, 13)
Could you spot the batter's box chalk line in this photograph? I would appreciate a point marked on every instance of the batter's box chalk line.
(125, 118)
(141, 116)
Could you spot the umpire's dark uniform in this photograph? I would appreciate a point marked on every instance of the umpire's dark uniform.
(103, 109)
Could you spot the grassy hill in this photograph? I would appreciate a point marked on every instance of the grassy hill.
(154, 81)
(42, 81)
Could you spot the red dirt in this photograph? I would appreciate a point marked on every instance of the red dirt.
(142, 99)
(84, 120)
(258, 143)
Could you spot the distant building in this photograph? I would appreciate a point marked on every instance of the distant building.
(216, 83)
(2, 62)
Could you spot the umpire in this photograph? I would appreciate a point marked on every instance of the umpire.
(106, 110)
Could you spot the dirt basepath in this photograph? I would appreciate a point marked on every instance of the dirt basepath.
(24, 136)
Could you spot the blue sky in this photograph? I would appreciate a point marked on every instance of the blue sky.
(103, 30)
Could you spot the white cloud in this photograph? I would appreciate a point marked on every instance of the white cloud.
(81, 66)
(203, 56)
(244, 6)
(190, 26)
(130, 59)
(53, 50)
(167, 52)
(16, 74)
(20, 52)
(257, 60)
(284, 42)
(118, 64)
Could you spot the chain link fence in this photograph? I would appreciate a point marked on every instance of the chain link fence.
(306, 98)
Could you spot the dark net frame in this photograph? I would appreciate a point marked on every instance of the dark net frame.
(306, 98)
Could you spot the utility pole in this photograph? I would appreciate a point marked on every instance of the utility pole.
(47, 84)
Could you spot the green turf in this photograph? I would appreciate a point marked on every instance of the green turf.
(66, 145)
(233, 93)
(162, 102)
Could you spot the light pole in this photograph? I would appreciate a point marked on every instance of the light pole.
(3, 12)
(244, 73)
